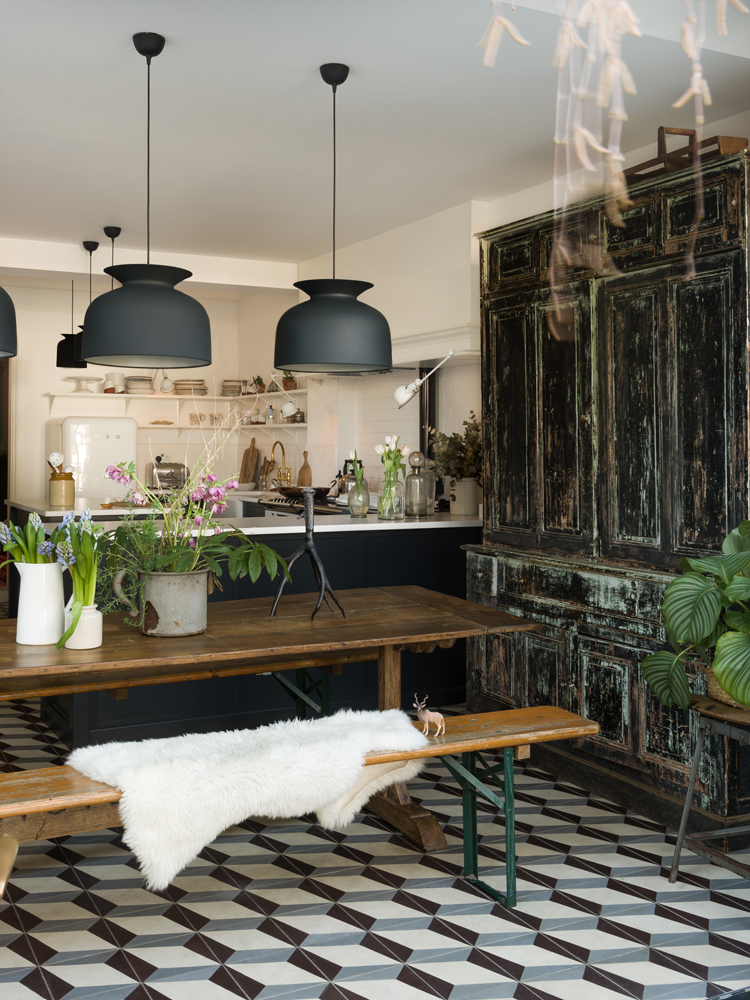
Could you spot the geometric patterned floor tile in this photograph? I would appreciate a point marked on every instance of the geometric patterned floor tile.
(282, 909)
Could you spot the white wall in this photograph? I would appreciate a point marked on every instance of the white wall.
(459, 392)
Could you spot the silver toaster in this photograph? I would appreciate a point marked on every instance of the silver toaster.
(163, 475)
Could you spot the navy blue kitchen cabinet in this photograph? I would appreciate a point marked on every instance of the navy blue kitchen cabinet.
(427, 557)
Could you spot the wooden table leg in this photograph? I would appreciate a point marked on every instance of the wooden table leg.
(395, 805)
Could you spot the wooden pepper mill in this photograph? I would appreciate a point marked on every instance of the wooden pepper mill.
(304, 477)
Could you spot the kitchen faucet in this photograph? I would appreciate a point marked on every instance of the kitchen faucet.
(285, 474)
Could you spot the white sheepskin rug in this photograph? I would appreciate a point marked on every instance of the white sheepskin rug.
(180, 793)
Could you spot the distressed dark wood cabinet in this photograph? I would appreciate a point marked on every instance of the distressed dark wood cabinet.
(613, 447)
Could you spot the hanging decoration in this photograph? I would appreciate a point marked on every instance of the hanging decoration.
(593, 78)
(147, 323)
(333, 332)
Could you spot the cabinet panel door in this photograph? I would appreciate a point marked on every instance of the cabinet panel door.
(510, 421)
(633, 441)
(708, 323)
(565, 418)
(606, 687)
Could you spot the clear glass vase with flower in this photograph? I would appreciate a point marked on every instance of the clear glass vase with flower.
(390, 490)
(358, 497)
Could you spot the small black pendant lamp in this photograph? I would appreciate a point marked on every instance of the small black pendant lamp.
(147, 323)
(69, 348)
(333, 332)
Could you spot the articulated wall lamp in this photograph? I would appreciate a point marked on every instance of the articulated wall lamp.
(404, 393)
(333, 332)
(290, 407)
(147, 323)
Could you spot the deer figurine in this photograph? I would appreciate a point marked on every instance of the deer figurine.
(426, 716)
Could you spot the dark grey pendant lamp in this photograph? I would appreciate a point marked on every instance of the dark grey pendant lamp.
(333, 332)
(147, 323)
(8, 340)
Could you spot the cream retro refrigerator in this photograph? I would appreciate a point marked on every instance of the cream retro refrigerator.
(90, 444)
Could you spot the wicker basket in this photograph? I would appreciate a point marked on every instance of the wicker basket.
(719, 694)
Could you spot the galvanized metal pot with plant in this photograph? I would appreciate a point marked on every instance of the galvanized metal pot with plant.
(163, 566)
(458, 461)
(707, 616)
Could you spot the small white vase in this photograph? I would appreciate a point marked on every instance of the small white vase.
(464, 496)
(88, 631)
(41, 612)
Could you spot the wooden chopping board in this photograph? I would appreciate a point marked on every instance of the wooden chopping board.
(249, 464)
(304, 477)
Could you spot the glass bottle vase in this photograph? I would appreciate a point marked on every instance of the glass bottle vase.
(390, 500)
(358, 499)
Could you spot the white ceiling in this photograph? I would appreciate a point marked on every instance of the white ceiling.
(241, 119)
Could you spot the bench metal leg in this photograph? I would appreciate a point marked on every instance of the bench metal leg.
(472, 782)
(8, 852)
(688, 801)
(304, 687)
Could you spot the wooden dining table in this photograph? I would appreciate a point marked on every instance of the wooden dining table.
(380, 623)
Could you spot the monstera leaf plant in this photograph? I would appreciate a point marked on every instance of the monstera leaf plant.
(707, 608)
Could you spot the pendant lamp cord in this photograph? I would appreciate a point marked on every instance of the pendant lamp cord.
(91, 257)
(72, 305)
(112, 282)
(148, 162)
(334, 181)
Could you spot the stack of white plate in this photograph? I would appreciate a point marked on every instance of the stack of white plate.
(190, 387)
(231, 387)
(138, 385)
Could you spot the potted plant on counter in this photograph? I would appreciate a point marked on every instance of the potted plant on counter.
(288, 380)
(458, 461)
(707, 617)
(162, 567)
(260, 385)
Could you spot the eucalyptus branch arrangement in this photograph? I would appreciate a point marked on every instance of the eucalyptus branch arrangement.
(459, 456)
(707, 608)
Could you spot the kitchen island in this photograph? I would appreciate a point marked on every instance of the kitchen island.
(357, 554)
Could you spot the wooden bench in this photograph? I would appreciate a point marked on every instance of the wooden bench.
(60, 801)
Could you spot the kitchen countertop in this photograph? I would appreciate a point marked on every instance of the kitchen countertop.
(42, 507)
(276, 523)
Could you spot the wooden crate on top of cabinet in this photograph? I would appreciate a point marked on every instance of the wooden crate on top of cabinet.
(613, 448)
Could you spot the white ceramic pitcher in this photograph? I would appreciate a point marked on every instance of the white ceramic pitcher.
(40, 604)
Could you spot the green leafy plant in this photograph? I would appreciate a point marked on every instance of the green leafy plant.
(707, 608)
(287, 375)
(459, 456)
(258, 380)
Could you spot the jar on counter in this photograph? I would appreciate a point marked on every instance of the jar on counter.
(62, 490)
(416, 487)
